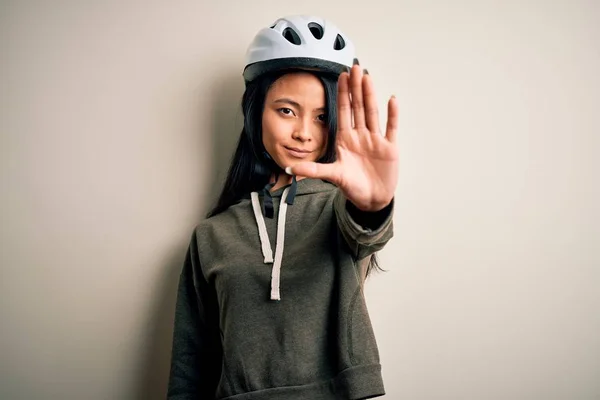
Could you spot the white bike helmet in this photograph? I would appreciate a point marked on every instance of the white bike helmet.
(299, 42)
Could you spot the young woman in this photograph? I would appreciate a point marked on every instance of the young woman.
(314, 179)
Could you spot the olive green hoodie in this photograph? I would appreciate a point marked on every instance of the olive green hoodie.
(293, 325)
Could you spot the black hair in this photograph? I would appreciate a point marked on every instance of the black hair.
(251, 166)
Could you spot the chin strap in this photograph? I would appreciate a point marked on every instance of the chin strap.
(268, 199)
(267, 209)
(289, 199)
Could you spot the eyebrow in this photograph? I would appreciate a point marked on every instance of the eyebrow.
(285, 100)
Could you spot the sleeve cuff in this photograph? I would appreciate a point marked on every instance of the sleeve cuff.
(371, 221)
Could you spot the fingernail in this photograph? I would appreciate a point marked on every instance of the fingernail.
(355, 62)
(366, 71)
(288, 170)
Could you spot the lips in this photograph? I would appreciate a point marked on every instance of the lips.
(297, 153)
(298, 150)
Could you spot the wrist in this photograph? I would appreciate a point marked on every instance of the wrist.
(372, 207)
(367, 218)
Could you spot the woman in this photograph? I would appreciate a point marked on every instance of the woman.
(315, 180)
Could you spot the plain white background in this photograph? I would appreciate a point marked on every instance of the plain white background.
(117, 123)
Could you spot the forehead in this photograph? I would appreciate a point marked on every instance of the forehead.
(302, 86)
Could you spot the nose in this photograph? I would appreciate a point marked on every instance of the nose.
(302, 132)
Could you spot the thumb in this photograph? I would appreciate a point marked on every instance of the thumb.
(311, 169)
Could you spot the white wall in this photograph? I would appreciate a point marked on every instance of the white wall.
(117, 121)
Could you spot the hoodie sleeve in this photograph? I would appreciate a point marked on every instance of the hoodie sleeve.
(196, 353)
(364, 232)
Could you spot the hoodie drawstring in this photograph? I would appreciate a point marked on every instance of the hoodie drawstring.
(276, 271)
(262, 229)
(280, 242)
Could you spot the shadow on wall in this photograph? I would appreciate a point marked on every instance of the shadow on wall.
(226, 124)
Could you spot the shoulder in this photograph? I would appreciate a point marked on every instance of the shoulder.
(231, 225)
(230, 216)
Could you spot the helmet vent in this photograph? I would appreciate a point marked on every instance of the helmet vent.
(316, 30)
(339, 43)
(291, 36)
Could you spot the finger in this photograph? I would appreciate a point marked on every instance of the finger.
(309, 169)
(392, 121)
(371, 110)
(343, 103)
(358, 109)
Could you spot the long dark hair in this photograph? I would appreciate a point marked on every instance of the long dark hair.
(251, 167)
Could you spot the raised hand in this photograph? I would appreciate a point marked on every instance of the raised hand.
(366, 170)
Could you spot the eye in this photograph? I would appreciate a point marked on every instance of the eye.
(286, 111)
(322, 118)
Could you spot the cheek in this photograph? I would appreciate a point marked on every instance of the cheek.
(267, 132)
(273, 130)
(324, 142)
(267, 137)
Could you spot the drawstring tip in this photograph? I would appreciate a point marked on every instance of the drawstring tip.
(275, 295)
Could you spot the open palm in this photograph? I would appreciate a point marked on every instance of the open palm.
(366, 169)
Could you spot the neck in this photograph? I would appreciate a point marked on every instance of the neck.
(284, 179)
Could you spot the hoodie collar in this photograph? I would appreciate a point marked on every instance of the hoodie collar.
(306, 186)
